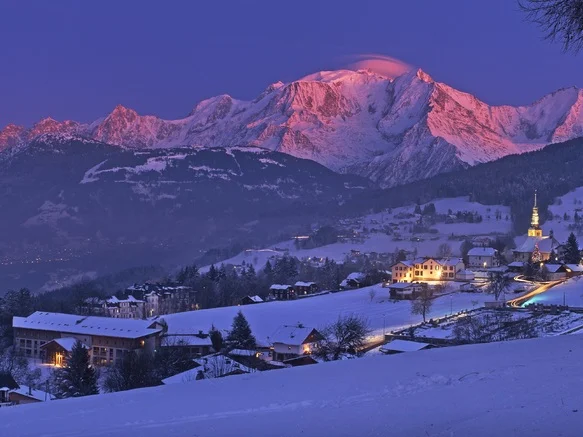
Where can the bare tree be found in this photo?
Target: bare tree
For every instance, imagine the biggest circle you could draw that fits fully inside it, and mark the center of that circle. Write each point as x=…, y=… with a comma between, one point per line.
x=372, y=293
x=499, y=282
x=444, y=251
x=17, y=366
x=422, y=305
x=347, y=334
x=560, y=20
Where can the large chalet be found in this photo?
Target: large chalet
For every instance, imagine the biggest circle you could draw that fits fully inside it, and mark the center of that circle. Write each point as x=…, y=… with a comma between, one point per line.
x=427, y=269
x=51, y=336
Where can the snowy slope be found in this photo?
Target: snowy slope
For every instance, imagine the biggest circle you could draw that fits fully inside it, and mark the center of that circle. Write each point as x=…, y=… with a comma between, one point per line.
x=392, y=131
x=319, y=311
x=380, y=242
x=569, y=293
x=518, y=388
x=561, y=225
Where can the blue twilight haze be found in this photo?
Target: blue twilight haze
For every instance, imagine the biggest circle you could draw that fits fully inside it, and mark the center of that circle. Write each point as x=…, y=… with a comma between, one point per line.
x=77, y=60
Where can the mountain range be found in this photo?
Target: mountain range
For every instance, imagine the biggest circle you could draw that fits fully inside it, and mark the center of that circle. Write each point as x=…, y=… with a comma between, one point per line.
x=391, y=131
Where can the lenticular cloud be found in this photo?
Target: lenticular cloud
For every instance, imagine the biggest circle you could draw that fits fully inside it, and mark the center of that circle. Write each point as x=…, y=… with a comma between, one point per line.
x=380, y=64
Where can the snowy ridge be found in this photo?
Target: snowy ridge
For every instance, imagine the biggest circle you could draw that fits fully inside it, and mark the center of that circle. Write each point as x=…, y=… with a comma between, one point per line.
x=349, y=121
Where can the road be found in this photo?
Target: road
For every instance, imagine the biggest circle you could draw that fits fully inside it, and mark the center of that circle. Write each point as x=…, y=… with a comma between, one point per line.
x=517, y=303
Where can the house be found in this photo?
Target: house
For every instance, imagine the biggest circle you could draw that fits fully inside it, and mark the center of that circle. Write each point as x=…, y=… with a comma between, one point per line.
x=7, y=385
x=282, y=292
x=250, y=300
x=402, y=271
x=291, y=341
x=450, y=267
x=57, y=351
x=483, y=257
x=28, y=395
x=209, y=367
x=556, y=271
x=516, y=266
x=465, y=275
x=406, y=290
x=304, y=360
x=352, y=281
x=255, y=360
x=92, y=306
x=305, y=288
x=399, y=346
x=129, y=308
x=164, y=299
x=107, y=339
x=195, y=345
x=427, y=269
x=574, y=270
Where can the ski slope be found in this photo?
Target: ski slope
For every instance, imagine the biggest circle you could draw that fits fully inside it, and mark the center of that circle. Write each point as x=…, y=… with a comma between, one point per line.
x=517, y=388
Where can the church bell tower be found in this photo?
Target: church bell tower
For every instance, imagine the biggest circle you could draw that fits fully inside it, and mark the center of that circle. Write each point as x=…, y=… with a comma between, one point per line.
x=535, y=229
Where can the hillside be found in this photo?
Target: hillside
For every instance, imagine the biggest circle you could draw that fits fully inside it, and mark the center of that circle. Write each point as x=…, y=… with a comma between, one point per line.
x=392, y=131
x=68, y=199
x=319, y=311
x=478, y=390
x=511, y=181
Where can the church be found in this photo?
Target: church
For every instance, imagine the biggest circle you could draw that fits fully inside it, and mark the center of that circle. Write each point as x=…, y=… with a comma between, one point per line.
x=535, y=247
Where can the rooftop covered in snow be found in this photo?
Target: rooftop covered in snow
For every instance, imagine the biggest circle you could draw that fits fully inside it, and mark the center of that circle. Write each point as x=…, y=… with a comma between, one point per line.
x=88, y=325
x=482, y=251
x=293, y=335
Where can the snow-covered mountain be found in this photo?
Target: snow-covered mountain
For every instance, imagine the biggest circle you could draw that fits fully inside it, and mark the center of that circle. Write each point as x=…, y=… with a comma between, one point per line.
x=392, y=131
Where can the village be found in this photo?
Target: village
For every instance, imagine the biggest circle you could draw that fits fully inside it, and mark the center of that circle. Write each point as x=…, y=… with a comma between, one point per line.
x=424, y=294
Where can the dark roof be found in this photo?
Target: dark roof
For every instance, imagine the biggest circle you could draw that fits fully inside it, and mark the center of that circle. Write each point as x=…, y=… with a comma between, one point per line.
x=304, y=360
x=6, y=380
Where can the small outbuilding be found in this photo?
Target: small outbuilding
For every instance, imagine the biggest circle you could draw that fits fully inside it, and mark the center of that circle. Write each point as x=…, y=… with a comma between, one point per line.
x=399, y=346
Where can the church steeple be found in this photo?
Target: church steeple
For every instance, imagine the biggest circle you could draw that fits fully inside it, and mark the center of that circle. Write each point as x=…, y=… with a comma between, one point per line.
x=535, y=230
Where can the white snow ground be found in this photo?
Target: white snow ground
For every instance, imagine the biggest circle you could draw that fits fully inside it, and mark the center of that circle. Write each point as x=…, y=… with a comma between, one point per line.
x=569, y=203
x=518, y=388
x=569, y=292
x=427, y=245
x=318, y=311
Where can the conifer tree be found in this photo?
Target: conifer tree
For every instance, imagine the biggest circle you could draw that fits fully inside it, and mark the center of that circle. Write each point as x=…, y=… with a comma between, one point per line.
x=78, y=377
x=241, y=335
x=572, y=254
x=216, y=338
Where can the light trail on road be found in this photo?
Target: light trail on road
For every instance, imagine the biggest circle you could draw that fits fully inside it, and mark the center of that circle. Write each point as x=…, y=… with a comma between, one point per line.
x=517, y=302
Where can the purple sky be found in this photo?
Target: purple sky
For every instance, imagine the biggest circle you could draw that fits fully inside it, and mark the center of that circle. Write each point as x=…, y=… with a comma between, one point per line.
x=77, y=60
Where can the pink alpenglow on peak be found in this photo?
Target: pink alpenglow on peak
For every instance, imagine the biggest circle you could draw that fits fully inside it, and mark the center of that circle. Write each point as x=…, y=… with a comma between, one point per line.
x=392, y=125
x=380, y=64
